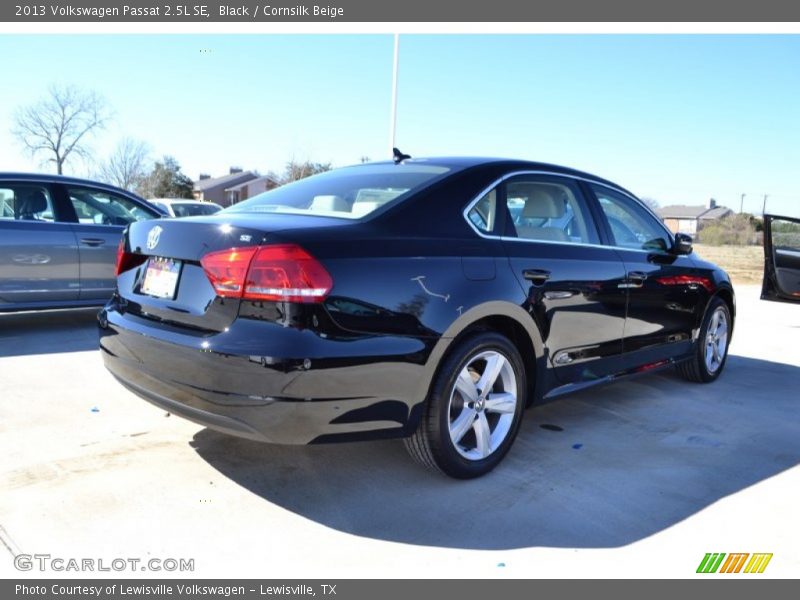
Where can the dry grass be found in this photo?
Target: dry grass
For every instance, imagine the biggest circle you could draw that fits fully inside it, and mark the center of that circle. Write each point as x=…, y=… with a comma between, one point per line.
x=745, y=264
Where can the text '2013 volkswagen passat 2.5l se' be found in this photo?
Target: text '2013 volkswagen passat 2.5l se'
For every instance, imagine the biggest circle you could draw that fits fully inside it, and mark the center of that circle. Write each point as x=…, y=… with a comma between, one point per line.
x=429, y=299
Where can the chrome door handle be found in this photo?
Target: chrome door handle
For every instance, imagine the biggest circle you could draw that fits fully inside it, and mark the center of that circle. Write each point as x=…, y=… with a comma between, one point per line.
x=559, y=295
x=635, y=279
x=637, y=276
x=536, y=276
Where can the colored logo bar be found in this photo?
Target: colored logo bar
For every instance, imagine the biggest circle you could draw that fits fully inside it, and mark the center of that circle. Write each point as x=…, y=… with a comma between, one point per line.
x=716, y=562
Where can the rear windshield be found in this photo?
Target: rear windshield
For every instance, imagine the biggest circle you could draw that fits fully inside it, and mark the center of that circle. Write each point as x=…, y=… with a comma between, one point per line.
x=194, y=210
x=347, y=193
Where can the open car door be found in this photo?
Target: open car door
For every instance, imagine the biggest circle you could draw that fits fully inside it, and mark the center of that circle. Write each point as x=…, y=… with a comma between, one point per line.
x=781, y=259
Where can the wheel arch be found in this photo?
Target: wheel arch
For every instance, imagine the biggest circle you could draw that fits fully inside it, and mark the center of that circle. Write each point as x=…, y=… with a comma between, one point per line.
x=726, y=293
x=506, y=318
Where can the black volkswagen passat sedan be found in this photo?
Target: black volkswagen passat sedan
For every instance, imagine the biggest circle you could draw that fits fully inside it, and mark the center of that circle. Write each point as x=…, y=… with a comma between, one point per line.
x=430, y=299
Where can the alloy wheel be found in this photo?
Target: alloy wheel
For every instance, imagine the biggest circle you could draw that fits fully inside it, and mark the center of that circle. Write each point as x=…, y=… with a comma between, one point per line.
x=482, y=406
x=716, y=340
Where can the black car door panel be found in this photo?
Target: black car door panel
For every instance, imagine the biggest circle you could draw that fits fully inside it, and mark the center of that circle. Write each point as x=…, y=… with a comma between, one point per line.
x=571, y=282
x=665, y=291
x=664, y=295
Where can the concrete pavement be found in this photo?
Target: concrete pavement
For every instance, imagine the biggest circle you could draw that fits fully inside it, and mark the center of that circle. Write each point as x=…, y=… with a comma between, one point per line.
x=639, y=478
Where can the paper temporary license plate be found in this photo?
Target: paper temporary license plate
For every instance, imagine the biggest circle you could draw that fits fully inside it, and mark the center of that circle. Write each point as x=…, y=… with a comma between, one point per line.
x=161, y=277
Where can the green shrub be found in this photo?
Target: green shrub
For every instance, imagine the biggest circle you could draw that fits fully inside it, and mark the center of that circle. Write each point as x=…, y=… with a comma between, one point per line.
x=733, y=230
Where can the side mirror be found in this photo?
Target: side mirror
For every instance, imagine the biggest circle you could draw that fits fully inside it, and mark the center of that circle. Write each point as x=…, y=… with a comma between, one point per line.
x=683, y=244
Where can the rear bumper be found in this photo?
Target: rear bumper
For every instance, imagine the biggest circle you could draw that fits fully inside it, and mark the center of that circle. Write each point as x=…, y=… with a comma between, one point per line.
x=265, y=382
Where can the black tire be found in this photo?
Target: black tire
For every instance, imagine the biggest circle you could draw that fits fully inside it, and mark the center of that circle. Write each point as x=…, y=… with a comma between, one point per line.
x=432, y=445
x=697, y=368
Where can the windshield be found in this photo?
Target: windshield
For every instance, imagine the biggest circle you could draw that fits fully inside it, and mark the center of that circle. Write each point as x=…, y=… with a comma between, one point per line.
x=194, y=210
x=347, y=193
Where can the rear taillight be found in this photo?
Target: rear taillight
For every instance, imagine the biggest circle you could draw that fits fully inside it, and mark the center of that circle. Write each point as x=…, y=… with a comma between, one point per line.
x=127, y=260
x=278, y=273
x=227, y=269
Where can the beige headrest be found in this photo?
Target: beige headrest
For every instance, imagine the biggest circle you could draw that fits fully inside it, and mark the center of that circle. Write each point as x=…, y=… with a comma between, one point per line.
x=541, y=202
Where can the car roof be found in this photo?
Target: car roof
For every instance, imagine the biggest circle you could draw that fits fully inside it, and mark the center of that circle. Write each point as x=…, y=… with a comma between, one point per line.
x=459, y=163
x=53, y=178
x=181, y=201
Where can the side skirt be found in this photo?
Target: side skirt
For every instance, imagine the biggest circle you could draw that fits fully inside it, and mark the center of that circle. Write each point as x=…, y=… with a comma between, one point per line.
x=645, y=369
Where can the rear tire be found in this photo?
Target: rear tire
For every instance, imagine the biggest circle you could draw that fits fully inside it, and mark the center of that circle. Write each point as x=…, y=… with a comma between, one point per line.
x=711, y=350
x=474, y=409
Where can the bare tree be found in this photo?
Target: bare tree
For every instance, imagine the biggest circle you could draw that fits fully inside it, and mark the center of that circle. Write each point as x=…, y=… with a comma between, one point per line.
x=652, y=203
x=299, y=170
x=127, y=165
x=60, y=124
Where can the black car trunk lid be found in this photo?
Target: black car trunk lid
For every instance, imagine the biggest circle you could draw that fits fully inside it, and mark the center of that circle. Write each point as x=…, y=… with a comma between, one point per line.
x=179, y=245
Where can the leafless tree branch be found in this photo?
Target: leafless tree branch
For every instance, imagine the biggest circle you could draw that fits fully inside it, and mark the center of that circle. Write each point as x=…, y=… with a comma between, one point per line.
x=60, y=124
x=127, y=165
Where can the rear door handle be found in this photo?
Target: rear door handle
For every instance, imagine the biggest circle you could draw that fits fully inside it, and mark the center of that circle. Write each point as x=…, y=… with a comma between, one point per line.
x=635, y=279
x=93, y=242
x=637, y=276
x=536, y=276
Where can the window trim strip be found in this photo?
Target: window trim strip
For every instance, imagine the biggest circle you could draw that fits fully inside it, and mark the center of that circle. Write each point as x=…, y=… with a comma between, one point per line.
x=500, y=180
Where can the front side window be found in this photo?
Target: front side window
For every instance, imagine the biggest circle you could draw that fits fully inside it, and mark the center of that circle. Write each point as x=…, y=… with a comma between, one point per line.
x=548, y=210
x=631, y=225
x=25, y=202
x=347, y=193
x=99, y=207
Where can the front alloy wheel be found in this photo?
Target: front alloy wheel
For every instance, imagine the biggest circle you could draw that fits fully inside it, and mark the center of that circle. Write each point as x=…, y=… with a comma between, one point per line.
x=716, y=340
x=711, y=348
x=474, y=409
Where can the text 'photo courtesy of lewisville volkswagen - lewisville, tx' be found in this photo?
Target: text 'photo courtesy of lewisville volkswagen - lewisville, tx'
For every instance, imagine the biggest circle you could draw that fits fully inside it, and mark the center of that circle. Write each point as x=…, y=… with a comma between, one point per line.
x=437, y=305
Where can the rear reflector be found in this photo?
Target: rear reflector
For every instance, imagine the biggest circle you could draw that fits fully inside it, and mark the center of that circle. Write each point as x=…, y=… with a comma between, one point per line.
x=278, y=273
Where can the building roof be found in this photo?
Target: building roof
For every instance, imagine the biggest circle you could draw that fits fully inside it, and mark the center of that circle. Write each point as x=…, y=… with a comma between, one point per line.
x=680, y=211
x=239, y=186
x=226, y=180
x=716, y=213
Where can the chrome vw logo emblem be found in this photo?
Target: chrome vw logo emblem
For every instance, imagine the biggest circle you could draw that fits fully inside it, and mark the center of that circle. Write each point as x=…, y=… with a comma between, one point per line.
x=153, y=237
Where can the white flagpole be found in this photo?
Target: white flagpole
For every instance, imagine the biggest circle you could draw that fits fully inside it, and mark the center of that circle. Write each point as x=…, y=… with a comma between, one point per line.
x=393, y=123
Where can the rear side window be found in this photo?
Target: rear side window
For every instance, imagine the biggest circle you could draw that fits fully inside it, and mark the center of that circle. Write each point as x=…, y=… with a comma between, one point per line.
x=347, y=193
x=548, y=210
x=99, y=207
x=484, y=214
x=25, y=202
